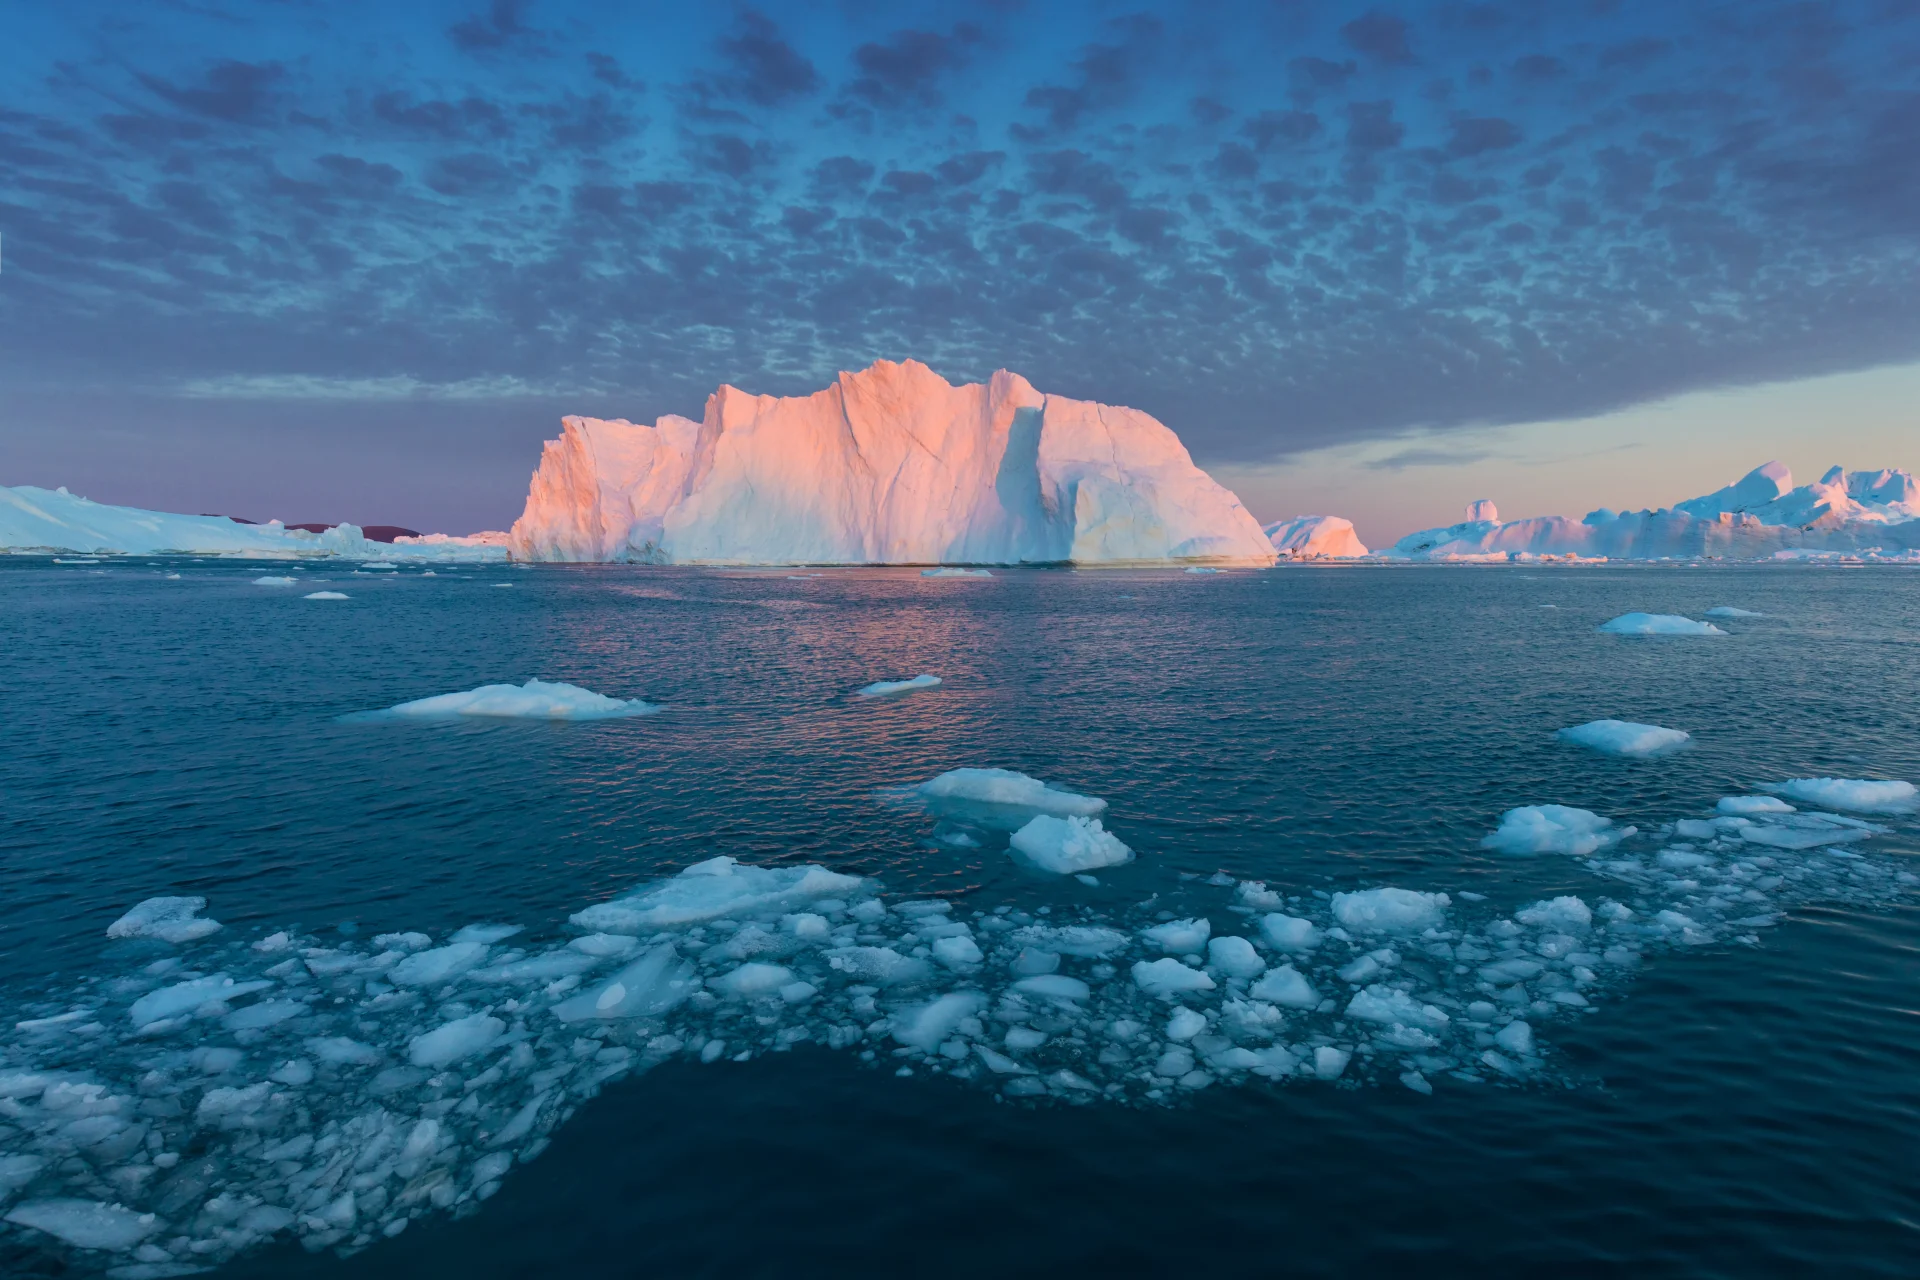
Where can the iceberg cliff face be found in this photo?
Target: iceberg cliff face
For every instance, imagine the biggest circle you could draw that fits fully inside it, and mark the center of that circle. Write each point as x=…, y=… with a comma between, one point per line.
x=892, y=465
x=1762, y=515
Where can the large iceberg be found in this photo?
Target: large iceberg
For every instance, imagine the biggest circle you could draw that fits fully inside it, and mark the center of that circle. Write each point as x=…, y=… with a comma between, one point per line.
x=891, y=465
x=47, y=520
x=1762, y=515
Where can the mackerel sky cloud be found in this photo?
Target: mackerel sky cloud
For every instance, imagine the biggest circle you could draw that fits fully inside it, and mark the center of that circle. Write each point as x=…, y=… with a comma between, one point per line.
x=312, y=231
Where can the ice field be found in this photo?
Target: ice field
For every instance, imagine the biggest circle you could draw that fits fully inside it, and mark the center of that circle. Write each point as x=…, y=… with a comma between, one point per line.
x=280, y=997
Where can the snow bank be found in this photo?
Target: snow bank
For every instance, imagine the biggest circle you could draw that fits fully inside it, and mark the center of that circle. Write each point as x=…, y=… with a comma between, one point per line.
x=891, y=465
x=1069, y=846
x=1658, y=624
x=534, y=700
x=1315, y=538
x=46, y=520
x=882, y=688
x=1853, y=794
x=1625, y=738
x=1554, y=828
x=1872, y=514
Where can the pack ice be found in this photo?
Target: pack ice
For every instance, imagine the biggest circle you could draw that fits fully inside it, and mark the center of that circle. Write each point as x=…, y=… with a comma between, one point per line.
x=891, y=465
x=1761, y=515
x=204, y=1093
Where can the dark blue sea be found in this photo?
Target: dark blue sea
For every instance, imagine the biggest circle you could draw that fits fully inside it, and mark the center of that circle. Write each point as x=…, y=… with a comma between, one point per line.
x=1718, y=1077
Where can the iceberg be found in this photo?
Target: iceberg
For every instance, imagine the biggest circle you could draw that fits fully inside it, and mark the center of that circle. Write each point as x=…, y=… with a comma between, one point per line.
x=890, y=465
x=534, y=700
x=1872, y=514
x=35, y=520
x=1860, y=796
x=1657, y=624
x=1625, y=738
x=1315, y=538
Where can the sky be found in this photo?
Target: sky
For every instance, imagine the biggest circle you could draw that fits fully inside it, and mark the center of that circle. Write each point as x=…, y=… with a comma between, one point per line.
x=353, y=261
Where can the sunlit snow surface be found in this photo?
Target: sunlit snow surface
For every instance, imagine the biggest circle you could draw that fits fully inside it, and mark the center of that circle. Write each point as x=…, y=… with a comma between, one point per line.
x=336, y=1091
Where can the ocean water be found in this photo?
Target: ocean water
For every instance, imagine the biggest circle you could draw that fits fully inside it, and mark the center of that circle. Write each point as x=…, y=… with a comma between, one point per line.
x=1733, y=1096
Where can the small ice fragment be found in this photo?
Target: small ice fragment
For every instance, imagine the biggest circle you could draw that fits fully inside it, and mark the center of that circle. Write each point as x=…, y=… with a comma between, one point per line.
x=1053, y=986
x=1625, y=738
x=1168, y=977
x=168, y=919
x=956, y=952
x=86, y=1224
x=1389, y=1006
x=1180, y=937
x=441, y=964
x=1750, y=806
x=1030, y=962
x=486, y=933
x=1728, y=611
x=1554, y=828
x=925, y=1026
x=1289, y=933
x=798, y=992
x=325, y=595
x=1066, y=846
x=453, y=1041
x=1658, y=624
x=1390, y=910
x=1235, y=957
x=656, y=982
x=535, y=700
x=1564, y=914
x=1416, y=1082
x=755, y=979
x=1329, y=1062
x=1005, y=787
x=1516, y=1038
x=1855, y=794
x=1185, y=1024
x=1287, y=987
x=882, y=688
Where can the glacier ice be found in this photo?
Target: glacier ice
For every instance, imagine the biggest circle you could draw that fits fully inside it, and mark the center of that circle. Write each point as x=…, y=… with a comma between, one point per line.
x=1069, y=845
x=1658, y=624
x=1315, y=538
x=1761, y=516
x=332, y=1103
x=1625, y=738
x=890, y=465
x=1855, y=794
x=1554, y=828
x=884, y=688
x=534, y=700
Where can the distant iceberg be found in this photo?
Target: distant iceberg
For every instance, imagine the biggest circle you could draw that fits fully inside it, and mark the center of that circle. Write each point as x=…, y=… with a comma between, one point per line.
x=1657, y=624
x=46, y=520
x=1316, y=538
x=534, y=700
x=891, y=465
x=1870, y=514
x=886, y=688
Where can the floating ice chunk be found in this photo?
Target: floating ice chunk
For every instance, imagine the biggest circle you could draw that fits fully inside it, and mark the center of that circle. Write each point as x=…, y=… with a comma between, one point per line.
x=755, y=979
x=1031, y=961
x=546, y=967
x=1168, y=977
x=651, y=985
x=956, y=952
x=1287, y=987
x=713, y=889
x=601, y=945
x=534, y=700
x=185, y=997
x=1185, y=1024
x=955, y=573
x=1067, y=846
x=1564, y=914
x=441, y=964
x=1390, y=1006
x=1181, y=937
x=1004, y=790
x=456, y=1040
x=1289, y=933
x=1000, y=1063
x=271, y=581
x=168, y=919
x=1856, y=794
x=1658, y=624
x=487, y=933
x=1088, y=942
x=1516, y=1038
x=412, y=940
x=267, y=1013
x=882, y=965
x=325, y=595
x=1554, y=828
x=798, y=992
x=1728, y=611
x=343, y=1051
x=1021, y=1039
x=1625, y=738
x=1361, y=969
x=1679, y=860
x=924, y=1026
x=806, y=924
x=86, y=1224
x=1234, y=957
x=1254, y=893
x=1811, y=836
x=1415, y=1081
x=1329, y=1063
x=882, y=688
x=1750, y=806
x=1053, y=986
x=1390, y=910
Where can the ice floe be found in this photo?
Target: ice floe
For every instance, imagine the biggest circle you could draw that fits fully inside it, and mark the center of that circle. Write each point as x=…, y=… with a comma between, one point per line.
x=956, y=573
x=325, y=595
x=173, y=1114
x=1658, y=624
x=1728, y=611
x=168, y=919
x=534, y=700
x=274, y=580
x=1554, y=828
x=998, y=799
x=1625, y=738
x=1855, y=794
x=1069, y=845
x=884, y=688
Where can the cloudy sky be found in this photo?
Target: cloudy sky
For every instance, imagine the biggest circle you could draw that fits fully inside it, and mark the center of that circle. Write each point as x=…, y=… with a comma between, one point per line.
x=353, y=260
